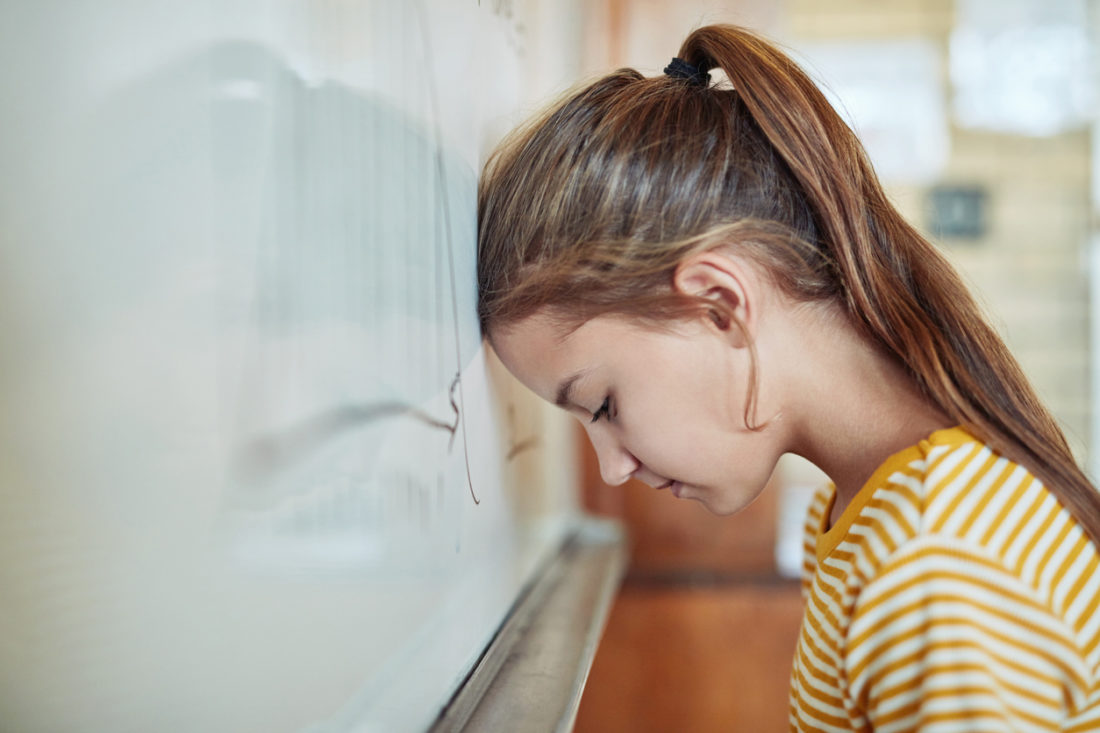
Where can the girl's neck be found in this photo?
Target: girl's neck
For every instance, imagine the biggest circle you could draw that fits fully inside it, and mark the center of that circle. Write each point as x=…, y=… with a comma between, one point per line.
x=858, y=407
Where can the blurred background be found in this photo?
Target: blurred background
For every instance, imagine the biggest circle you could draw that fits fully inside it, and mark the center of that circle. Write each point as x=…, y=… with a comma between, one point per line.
x=980, y=117
x=242, y=486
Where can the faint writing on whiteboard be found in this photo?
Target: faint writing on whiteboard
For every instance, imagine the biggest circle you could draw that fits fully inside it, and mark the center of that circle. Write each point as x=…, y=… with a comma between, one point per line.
x=346, y=375
x=270, y=454
x=503, y=8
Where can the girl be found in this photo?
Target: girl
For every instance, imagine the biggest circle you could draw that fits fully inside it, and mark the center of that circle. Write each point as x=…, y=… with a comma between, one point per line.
x=709, y=276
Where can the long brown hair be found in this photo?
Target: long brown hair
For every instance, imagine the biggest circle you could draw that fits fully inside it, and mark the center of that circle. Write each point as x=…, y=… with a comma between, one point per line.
x=589, y=208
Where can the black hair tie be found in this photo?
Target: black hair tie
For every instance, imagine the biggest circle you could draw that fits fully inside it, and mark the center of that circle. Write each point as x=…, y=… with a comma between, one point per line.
x=680, y=69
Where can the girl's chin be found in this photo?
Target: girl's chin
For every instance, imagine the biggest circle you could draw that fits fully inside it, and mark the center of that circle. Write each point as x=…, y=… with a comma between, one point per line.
x=715, y=503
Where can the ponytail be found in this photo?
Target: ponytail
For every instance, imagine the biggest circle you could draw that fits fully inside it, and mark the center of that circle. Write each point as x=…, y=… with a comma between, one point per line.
x=896, y=285
x=629, y=175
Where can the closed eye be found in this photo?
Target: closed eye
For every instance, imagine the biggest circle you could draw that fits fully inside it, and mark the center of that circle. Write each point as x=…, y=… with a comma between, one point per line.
x=605, y=409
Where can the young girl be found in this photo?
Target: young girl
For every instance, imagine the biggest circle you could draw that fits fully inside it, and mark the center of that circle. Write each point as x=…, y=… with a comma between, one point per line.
x=709, y=276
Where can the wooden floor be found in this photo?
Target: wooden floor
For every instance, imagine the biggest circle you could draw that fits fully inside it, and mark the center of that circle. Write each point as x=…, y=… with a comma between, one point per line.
x=699, y=660
x=702, y=633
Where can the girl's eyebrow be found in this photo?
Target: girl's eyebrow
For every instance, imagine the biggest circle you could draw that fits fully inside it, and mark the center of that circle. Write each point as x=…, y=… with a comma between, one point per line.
x=565, y=390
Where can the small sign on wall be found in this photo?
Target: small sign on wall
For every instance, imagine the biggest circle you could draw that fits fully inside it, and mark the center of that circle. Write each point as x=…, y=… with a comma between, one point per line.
x=957, y=211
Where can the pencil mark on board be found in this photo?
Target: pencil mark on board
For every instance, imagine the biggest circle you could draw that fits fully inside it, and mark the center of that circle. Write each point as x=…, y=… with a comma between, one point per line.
x=445, y=210
x=272, y=452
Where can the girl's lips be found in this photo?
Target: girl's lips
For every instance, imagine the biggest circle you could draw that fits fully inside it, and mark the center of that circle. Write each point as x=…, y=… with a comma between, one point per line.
x=676, y=486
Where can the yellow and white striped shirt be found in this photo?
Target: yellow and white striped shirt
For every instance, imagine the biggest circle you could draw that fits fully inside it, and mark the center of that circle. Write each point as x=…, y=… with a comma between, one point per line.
x=953, y=594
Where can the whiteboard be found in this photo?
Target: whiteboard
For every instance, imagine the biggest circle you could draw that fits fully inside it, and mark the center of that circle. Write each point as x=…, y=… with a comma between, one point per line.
x=258, y=472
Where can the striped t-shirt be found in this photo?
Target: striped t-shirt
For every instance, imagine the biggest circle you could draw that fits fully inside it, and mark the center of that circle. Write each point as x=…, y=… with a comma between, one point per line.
x=953, y=594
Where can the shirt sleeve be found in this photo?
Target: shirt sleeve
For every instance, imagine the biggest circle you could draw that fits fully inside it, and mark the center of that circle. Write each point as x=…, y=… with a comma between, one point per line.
x=944, y=639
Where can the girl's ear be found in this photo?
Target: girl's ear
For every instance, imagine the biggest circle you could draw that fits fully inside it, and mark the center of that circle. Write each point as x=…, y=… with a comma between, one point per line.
x=727, y=281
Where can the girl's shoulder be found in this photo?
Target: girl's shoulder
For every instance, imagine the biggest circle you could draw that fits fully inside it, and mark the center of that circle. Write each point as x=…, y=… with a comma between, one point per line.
x=953, y=506
x=950, y=481
x=954, y=490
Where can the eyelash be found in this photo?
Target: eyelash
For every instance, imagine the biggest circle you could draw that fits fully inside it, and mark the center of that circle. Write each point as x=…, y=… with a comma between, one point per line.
x=605, y=409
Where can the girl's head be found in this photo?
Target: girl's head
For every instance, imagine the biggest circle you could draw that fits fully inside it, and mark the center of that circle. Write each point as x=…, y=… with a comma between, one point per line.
x=592, y=210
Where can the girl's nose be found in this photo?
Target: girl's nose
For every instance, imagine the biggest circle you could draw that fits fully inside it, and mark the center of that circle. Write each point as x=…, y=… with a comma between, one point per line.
x=617, y=464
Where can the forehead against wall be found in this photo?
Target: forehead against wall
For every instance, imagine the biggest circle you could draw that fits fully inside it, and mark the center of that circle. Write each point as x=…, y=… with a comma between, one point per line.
x=258, y=472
